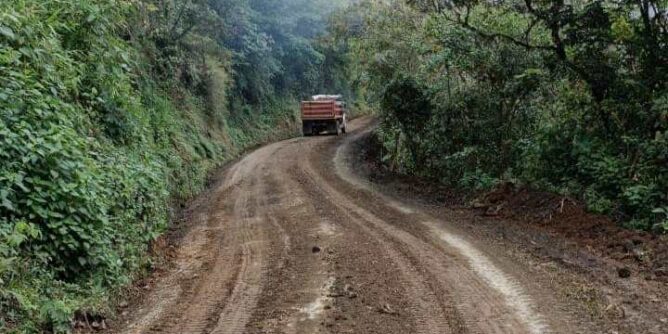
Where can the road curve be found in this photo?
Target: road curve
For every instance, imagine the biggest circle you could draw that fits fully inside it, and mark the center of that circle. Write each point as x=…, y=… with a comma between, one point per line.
x=291, y=240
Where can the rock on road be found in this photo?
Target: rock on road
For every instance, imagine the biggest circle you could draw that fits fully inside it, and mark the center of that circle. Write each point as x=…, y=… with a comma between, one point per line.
x=292, y=241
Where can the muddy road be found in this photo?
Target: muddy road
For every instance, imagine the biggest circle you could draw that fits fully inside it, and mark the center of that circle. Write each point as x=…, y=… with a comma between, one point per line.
x=292, y=240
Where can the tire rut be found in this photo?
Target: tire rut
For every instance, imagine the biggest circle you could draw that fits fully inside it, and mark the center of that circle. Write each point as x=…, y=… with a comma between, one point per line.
x=481, y=308
x=430, y=308
x=297, y=274
x=217, y=293
x=291, y=243
x=248, y=284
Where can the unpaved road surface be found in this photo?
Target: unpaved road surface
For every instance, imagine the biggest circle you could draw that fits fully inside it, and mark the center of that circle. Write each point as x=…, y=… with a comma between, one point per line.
x=291, y=240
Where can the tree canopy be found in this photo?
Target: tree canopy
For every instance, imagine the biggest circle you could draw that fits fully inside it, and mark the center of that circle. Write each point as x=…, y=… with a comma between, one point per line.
x=564, y=96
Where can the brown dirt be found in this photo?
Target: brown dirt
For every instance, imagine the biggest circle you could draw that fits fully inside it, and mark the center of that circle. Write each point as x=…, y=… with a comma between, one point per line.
x=644, y=253
x=590, y=255
x=294, y=240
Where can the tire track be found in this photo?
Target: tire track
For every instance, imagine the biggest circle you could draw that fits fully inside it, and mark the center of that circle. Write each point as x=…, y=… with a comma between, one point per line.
x=296, y=279
x=380, y=265
x=430, y=308
x=482, y=308
x=217, y=293
x=248, y=284
x=491, y=300
x=498, y=280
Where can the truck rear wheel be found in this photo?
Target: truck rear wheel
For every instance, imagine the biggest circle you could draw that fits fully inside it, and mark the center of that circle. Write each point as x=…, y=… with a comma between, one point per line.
x=307, y=129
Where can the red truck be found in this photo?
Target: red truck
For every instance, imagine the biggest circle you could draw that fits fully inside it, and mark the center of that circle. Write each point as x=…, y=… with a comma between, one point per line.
x=324, y=113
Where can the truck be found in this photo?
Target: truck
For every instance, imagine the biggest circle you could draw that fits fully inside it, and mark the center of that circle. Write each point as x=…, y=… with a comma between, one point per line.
x=324, y=113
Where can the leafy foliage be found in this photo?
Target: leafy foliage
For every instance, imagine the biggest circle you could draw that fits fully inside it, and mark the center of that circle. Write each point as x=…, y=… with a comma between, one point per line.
x=113, y=110
x=568, y=97
x=406, y=102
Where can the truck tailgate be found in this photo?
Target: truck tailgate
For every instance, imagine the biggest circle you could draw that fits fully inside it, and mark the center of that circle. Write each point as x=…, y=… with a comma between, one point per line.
x=319, y=110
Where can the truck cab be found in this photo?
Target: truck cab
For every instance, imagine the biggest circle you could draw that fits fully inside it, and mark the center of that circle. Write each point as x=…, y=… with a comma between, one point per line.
x=324, y=113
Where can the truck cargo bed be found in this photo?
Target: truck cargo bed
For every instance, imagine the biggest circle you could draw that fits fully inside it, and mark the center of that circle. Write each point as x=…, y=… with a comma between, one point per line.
x=319, y=110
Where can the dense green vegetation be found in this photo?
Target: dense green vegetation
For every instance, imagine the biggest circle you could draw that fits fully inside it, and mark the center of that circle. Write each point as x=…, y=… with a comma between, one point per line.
x=113, y=110
x=563, y=96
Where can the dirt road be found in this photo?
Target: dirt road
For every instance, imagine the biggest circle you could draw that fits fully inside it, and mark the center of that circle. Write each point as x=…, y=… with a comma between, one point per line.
x=291, y=240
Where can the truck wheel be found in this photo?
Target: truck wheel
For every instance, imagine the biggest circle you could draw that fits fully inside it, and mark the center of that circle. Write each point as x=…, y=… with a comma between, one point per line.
x=339, y=129
x=307, y=129
x=344, y=126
